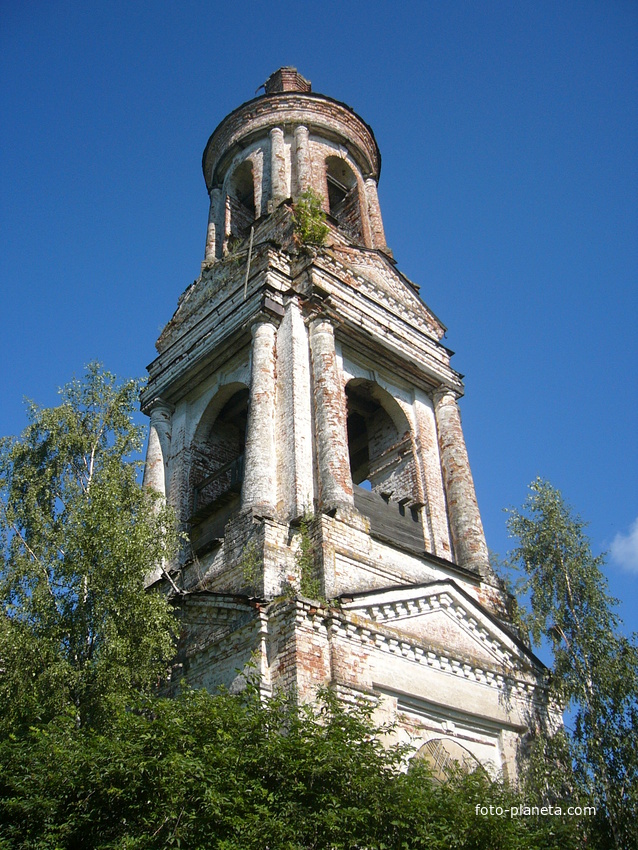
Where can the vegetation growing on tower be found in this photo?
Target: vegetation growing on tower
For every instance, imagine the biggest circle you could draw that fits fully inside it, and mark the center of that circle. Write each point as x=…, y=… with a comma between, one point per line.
x=309, y=220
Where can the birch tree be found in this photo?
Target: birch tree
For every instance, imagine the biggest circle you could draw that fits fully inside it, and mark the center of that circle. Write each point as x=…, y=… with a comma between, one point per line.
x=595, y=669
x=77, y=537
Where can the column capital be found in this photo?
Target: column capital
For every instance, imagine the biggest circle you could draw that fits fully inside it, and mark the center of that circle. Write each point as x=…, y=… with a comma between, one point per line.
x=158, y=407
x=291, y=297
x=442, y=392
x=263, y=318
x=321, y=323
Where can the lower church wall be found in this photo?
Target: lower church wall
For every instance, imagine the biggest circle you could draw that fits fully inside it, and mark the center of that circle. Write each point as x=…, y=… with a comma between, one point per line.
x=299, y=646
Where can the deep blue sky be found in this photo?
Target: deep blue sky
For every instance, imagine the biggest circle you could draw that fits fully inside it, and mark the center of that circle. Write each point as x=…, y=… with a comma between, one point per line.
x=509, y=137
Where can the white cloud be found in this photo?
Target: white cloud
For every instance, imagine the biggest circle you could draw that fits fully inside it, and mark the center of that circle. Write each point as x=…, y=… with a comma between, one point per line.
x=624, y=548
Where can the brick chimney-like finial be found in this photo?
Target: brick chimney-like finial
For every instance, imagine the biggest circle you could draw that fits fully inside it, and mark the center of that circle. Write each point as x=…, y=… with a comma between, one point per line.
x=286, y=79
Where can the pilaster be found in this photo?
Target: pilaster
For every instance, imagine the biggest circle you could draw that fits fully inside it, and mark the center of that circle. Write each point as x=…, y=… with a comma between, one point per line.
x=294, y=415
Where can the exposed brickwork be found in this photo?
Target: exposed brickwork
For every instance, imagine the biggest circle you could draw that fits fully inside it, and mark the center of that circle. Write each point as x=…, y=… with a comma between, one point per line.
x=349, y=216
x=286, y=79
x=434, y=494
x=414, y=653
x=240, y=218
x=374, y=214
x=318, y=365
x=320, y=114
x=278, y=169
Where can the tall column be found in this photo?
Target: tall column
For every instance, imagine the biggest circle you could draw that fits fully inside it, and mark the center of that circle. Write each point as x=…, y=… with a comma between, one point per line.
x=213, y=231
x=302, y=158
x=465, y=521
x=331, y=436
x=374, y=214
x=159, y=442
x=277, y=166
x=259, y=490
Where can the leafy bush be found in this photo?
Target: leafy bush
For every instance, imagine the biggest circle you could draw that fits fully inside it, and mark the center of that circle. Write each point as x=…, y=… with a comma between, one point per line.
x=309, y=220
x=232, y=772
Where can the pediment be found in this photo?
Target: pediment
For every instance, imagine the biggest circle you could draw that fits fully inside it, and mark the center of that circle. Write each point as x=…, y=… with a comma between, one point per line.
x=380, y=281
x=444, y=618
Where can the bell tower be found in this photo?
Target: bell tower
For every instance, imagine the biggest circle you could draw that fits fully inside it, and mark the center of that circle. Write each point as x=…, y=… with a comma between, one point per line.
x=304, y=425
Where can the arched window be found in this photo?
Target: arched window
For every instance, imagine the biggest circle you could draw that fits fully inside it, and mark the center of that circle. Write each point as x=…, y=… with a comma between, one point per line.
x=382, y=464
x=217, y=463
x=241, y=199
x=379, y=443
x=343, y=196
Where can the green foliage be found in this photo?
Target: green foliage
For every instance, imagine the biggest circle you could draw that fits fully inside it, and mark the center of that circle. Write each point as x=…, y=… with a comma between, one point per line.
x=77, y=537
x=91, y=757
x=251, y=565
x=234, y=253
x=309, y=220
x=595, y=671
x=309, y=583
x=232, y=772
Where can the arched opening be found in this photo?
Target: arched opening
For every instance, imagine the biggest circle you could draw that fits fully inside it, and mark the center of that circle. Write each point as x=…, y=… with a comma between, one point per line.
x=241, y=200
x=379, y=443
x=343, y=196
x=358, y=447
x=445, y=756
x=382, y=463
x=217, y=464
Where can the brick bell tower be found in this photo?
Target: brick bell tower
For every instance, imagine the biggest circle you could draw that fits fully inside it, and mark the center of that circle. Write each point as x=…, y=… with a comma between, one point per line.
x=304, y=425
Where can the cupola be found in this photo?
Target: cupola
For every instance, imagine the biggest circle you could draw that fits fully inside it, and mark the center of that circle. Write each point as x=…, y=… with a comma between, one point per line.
x=281, y=144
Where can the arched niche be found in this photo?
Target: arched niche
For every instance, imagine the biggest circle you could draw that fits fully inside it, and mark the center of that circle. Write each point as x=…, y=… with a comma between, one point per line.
x=241, y=200
x=445, y=756
x=344, y=204
x=217, y=452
